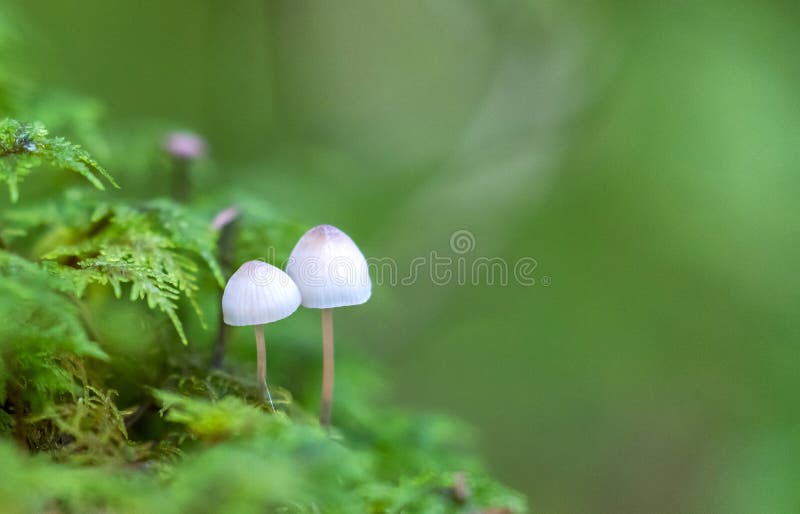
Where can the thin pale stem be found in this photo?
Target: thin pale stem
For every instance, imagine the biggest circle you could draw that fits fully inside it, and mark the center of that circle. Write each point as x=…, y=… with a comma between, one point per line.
x=261, y=349
x=327, y=368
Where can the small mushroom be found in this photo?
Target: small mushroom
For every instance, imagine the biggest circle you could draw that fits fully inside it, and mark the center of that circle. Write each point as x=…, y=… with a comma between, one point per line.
x=225, y=224
x=330, y=272
x=259, y=293
x=185, y=145
x=184, y=148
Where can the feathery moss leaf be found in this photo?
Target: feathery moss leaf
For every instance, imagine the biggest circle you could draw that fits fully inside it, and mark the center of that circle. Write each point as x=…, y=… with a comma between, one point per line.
x=25, y=146
x=149, y=247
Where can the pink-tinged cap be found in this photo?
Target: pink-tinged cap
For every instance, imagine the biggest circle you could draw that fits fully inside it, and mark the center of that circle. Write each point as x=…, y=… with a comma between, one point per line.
x=185, y=144
x=329, y=269
x=224, y=217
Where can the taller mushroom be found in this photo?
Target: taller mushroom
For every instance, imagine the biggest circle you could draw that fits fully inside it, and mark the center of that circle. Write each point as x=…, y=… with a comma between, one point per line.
x=330, y=272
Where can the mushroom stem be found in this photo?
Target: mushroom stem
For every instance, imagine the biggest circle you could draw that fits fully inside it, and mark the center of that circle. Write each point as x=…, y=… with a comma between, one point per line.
x=180, y=183
x=261, y=349
x=327, y=368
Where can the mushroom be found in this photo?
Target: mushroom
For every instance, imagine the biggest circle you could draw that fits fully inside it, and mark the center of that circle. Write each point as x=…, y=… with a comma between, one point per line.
x=330, y=272
x=224, y=223
x=184, y=147
x=259, y=293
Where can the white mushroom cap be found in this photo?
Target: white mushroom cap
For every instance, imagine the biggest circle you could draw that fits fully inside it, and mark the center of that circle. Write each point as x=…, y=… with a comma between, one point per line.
x=258, y=293
x=329, y=269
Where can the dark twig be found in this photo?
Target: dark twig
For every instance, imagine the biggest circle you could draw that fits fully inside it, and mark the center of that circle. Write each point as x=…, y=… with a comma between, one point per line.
x=136, y=415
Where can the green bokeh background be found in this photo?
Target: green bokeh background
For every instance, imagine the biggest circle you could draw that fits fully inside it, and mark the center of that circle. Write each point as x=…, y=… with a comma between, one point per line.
x=646, y=155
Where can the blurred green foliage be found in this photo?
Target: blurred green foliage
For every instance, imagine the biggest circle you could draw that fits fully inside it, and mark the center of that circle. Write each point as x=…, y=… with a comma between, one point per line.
x=644, y=153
